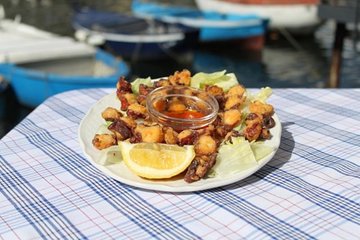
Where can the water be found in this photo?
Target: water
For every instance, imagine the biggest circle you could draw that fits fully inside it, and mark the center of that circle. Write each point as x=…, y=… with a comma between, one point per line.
x=281, y=64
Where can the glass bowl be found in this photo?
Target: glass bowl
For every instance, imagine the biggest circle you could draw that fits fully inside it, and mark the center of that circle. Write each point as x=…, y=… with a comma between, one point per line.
x=181, y=107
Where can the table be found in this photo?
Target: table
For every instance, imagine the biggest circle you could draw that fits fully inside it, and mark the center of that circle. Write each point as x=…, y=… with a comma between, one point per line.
x=309, y=190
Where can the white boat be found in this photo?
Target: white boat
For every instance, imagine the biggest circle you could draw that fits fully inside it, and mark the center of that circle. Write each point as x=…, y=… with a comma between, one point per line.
x=296, y=16
x=39, y=64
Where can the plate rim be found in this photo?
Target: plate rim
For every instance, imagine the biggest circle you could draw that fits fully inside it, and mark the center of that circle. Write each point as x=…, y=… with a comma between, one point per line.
x=188, y=187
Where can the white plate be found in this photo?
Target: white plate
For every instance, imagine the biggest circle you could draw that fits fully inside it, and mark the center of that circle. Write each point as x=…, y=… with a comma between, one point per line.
x=90, y=124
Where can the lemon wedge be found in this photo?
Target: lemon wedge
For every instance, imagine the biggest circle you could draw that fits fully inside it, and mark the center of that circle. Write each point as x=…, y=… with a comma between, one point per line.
x=155, y=160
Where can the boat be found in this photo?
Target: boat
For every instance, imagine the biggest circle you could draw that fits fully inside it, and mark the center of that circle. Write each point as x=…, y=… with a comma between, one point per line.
x=213, y=26
x=39, y=64
x=295, y=16
x=132, y=37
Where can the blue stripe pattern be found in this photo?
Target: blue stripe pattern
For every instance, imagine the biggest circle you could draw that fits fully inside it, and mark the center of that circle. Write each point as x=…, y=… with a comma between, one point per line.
x=49, y=190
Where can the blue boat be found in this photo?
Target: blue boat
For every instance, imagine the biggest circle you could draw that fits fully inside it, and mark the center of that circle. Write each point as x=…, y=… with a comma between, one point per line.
x=213, y=26
x=39, y=64
x=133, y=37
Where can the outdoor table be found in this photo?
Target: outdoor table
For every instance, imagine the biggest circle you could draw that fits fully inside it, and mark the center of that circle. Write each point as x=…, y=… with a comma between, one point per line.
x=309, y=190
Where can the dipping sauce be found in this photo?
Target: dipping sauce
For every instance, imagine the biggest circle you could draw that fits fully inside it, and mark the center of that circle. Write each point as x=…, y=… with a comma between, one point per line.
x=181, y=107
x=188, y=114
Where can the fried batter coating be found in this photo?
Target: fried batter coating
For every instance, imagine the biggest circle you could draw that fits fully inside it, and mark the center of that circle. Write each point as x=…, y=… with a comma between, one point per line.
x=236, y=90
x=268, y=122
x=231, y=118
x=102, y=141
x=253, y=127
x=149, y=134
x=199, y=167
x=123, y=86
x=145, y=89
x=205, y=145
x=141, y=99
x=208, y=130
x=162, y=83
x=217, y=92
x=126, y=100
x=136, y=111
x=187, y=137
x=111, y=114
x=180, y=78
x=233, y=102
x=261, y=108
x=176, y=106
x=214, y=90
x=130, y=122
x=121, y=130
x=265, y=134
x=170, y=136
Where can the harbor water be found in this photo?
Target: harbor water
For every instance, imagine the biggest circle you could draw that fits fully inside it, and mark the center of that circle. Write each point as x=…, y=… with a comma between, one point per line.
x=295, y=62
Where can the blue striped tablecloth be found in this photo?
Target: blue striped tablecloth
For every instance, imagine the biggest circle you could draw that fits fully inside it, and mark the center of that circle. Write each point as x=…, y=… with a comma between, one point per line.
x=309, y=190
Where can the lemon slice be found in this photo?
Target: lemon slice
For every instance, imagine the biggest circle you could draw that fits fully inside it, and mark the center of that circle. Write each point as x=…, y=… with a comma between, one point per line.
x=155, y=160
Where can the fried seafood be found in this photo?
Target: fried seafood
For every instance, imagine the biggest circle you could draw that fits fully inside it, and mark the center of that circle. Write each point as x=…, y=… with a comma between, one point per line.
x=102, y=141
x=130, y=122
x=264, y=109
x=126, y=100
x=187, y=137
x=236, y=90
x=123, y=86
x=199, y=167
x=253, y=127
x=137, y=126
x=121, y=130
x=170, y=135
x=205, y=158
x=111, y=114
x=182, y=78
x=136, y=111
x=149, y=134
x=233, y=102
x=205, y=145
x=162, y=83
x=231, y=118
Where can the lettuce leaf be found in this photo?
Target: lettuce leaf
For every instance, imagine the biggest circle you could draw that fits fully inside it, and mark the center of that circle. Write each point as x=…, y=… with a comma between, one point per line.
x=234, y=158
x=260, y=150
x=109, y=156
x=136, y=83
x=225, y=81
x=238, y=156
x=261, y=96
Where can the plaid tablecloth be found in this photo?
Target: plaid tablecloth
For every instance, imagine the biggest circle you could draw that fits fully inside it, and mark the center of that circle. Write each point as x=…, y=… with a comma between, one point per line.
x=309, y=190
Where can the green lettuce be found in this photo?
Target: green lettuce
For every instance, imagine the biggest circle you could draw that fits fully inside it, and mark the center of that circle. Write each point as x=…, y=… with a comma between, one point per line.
x=260, y=150
x=136, y=83
x=239, y=155
x=261, y=96
x=225, y=81
x=109, y=156
x=234, y=157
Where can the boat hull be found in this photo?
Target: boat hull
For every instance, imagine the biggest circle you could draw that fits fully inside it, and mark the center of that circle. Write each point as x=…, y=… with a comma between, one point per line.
x=33, y=87
x=297, y=18
x=213, y=26
x=152, y=50
x=132, y=37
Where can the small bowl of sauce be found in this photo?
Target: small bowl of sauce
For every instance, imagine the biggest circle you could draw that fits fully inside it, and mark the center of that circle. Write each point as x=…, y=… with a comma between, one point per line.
x=182, y=107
